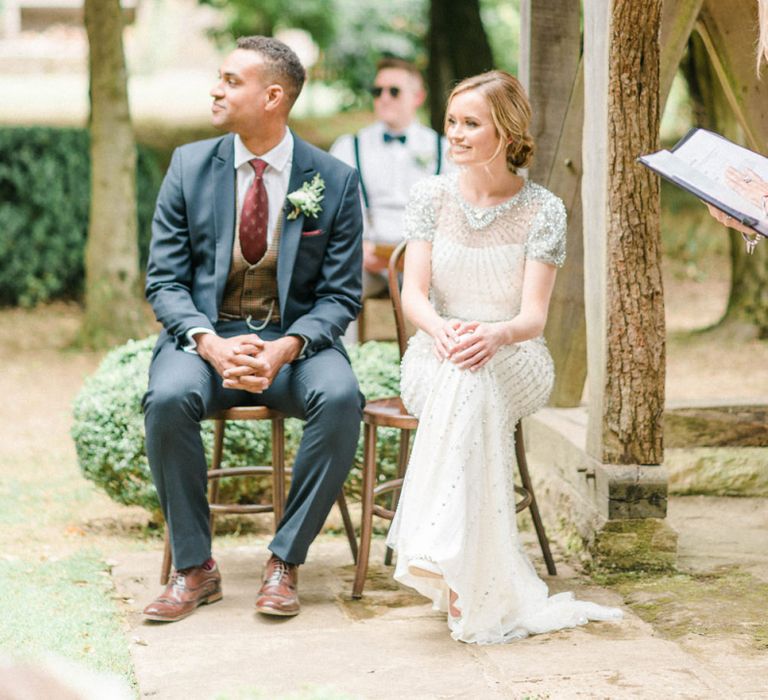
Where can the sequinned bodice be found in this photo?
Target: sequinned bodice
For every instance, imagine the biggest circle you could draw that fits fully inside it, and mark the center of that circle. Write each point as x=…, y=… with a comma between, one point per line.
x=479, y=253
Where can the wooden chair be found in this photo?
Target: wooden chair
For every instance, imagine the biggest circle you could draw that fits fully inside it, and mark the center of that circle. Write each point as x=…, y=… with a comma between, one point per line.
x=277, y=469
x=391, y=413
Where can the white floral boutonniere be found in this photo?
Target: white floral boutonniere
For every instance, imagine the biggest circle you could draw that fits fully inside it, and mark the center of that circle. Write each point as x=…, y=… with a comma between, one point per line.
x=423, y=160
x=306, y=200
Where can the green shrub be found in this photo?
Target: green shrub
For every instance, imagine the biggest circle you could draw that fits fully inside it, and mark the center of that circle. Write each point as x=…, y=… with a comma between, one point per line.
x=108, y=426
x=44, y=202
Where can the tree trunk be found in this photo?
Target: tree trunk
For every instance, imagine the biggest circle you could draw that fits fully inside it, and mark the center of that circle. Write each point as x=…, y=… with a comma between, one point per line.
x=550, y=67
x=113, y=308
x=458, y=48
x=625, y=302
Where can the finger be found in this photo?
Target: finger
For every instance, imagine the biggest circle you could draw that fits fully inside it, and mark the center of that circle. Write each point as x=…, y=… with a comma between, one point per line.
x=468, y=327
x=713, y=210
x=468, y=357
x=450, y=329
x=472, y=361
x=467, y=346
x=248, y=383
x=250, y=349
x=443, y=347
x=759, y=182
x=254, y=363
x=241, y=371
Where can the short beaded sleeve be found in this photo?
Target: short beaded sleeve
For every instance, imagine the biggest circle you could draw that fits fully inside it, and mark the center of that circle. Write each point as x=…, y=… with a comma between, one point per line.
x=546, y=241
x=420, y=219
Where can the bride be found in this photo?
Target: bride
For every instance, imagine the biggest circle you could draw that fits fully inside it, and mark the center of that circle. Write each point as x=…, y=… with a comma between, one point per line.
x=484, y=245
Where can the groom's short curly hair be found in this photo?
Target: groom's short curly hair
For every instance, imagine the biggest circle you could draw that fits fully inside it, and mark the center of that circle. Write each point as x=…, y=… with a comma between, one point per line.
x=282, y=64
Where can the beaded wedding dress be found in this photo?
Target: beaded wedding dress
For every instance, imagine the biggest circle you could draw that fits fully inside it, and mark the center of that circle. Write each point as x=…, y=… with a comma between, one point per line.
x=456, y=514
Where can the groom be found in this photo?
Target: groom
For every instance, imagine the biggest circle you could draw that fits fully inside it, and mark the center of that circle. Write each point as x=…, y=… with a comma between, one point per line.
x=253, y=292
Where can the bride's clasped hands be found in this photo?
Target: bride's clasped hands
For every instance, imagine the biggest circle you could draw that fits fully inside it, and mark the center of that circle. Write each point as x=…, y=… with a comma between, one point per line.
x=469, y=344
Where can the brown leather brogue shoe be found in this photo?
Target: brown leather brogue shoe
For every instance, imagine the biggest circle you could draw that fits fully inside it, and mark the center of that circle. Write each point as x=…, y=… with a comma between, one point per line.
x=186, y=590
x=278, y=594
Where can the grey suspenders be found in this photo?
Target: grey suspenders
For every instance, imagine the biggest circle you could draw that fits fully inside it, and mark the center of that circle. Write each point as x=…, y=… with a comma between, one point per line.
x=356, y=142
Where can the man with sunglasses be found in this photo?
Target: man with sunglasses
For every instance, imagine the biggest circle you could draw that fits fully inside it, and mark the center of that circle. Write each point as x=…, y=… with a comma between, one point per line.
x=391, y=155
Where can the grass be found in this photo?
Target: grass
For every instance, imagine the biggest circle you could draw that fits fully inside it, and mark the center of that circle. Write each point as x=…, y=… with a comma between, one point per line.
x=65, y=607
x=56, y=594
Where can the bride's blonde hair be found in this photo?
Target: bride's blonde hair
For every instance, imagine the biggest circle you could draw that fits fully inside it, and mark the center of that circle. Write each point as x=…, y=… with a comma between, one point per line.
x=510, y=112
x=762, y=41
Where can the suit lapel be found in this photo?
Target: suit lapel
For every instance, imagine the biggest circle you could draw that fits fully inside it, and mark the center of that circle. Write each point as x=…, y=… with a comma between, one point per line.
x=224, y=208
x=301, y=172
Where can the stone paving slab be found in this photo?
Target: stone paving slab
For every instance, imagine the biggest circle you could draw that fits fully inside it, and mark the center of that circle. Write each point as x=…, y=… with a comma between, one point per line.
x=392, y=645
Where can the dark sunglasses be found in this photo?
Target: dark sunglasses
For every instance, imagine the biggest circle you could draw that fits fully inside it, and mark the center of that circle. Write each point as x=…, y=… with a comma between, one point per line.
x=376, y=91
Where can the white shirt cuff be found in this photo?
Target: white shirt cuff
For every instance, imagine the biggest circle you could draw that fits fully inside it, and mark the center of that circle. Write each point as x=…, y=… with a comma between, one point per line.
x=304, y=338
x=191, y=342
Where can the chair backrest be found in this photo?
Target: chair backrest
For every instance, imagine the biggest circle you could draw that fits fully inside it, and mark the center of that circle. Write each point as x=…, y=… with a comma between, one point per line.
x=394, y=267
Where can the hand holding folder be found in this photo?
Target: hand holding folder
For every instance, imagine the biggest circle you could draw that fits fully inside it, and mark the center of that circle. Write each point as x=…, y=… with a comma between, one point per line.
x=723, y=174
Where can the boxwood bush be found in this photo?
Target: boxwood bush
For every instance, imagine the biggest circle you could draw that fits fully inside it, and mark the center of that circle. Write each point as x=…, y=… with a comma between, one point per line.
x=44, y=202
x=108, y=427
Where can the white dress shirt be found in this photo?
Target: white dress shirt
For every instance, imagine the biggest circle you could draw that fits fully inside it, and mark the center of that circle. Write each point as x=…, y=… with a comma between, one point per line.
x=276, y=176
x=388, y=171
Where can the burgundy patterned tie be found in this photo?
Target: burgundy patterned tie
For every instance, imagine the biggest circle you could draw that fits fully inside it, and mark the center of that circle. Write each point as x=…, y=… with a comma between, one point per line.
x=255, y=216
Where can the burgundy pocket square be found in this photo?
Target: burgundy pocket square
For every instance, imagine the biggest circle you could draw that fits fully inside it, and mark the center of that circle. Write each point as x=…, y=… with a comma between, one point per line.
x=316, y=232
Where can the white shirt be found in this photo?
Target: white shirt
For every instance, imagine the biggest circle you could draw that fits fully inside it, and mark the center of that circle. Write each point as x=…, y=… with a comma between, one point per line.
x=388, y=171
x=277, y=174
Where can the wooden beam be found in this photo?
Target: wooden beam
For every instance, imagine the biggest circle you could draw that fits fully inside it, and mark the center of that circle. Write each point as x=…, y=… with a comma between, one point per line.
x=678, y=18
x=728, y=29
x=550, y=68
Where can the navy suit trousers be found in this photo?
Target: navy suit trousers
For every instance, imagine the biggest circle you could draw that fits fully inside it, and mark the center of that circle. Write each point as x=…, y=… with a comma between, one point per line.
x=184, y=390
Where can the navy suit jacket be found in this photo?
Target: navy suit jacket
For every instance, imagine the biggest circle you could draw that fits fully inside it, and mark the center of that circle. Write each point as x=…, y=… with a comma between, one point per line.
x=319, y=264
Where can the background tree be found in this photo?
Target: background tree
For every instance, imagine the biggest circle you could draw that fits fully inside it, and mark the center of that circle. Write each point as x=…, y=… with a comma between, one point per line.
x=246, y=17
x=457, y=47
x=113, y=307
x=747, y=309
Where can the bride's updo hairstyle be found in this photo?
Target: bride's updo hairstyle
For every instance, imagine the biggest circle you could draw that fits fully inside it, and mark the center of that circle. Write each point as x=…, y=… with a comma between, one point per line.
x=510, y=111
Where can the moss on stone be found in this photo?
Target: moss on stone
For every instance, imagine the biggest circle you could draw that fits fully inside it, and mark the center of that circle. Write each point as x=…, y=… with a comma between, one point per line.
x=726, y=602
x=623, y=545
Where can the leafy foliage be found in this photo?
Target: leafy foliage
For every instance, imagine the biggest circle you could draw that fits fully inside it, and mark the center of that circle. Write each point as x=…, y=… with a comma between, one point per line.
x=353, y=34
x=245, y=18
x=44, y=202
x=108, y=427
x=368, y=30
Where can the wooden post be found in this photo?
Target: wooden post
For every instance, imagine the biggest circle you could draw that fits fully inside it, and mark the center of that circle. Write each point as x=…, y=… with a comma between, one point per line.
x=550, y=68
x=678, y=18
x=624, y=295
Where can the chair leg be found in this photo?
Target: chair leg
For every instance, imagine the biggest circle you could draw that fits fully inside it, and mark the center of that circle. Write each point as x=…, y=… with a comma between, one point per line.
x=361, y=324
x=165, y=569
x=366, y=520
x=402, y=463
x=525, y=477
x=219, y=427
x=349, y=528
x=278, y=469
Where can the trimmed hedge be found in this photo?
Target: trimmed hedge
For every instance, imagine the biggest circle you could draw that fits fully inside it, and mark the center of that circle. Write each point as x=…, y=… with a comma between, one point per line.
x=108, y=427
x=44, y=202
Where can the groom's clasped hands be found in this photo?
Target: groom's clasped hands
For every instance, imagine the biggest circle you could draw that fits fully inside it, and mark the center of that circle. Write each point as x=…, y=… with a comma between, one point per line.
x=247, y=362
x=468, y=344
